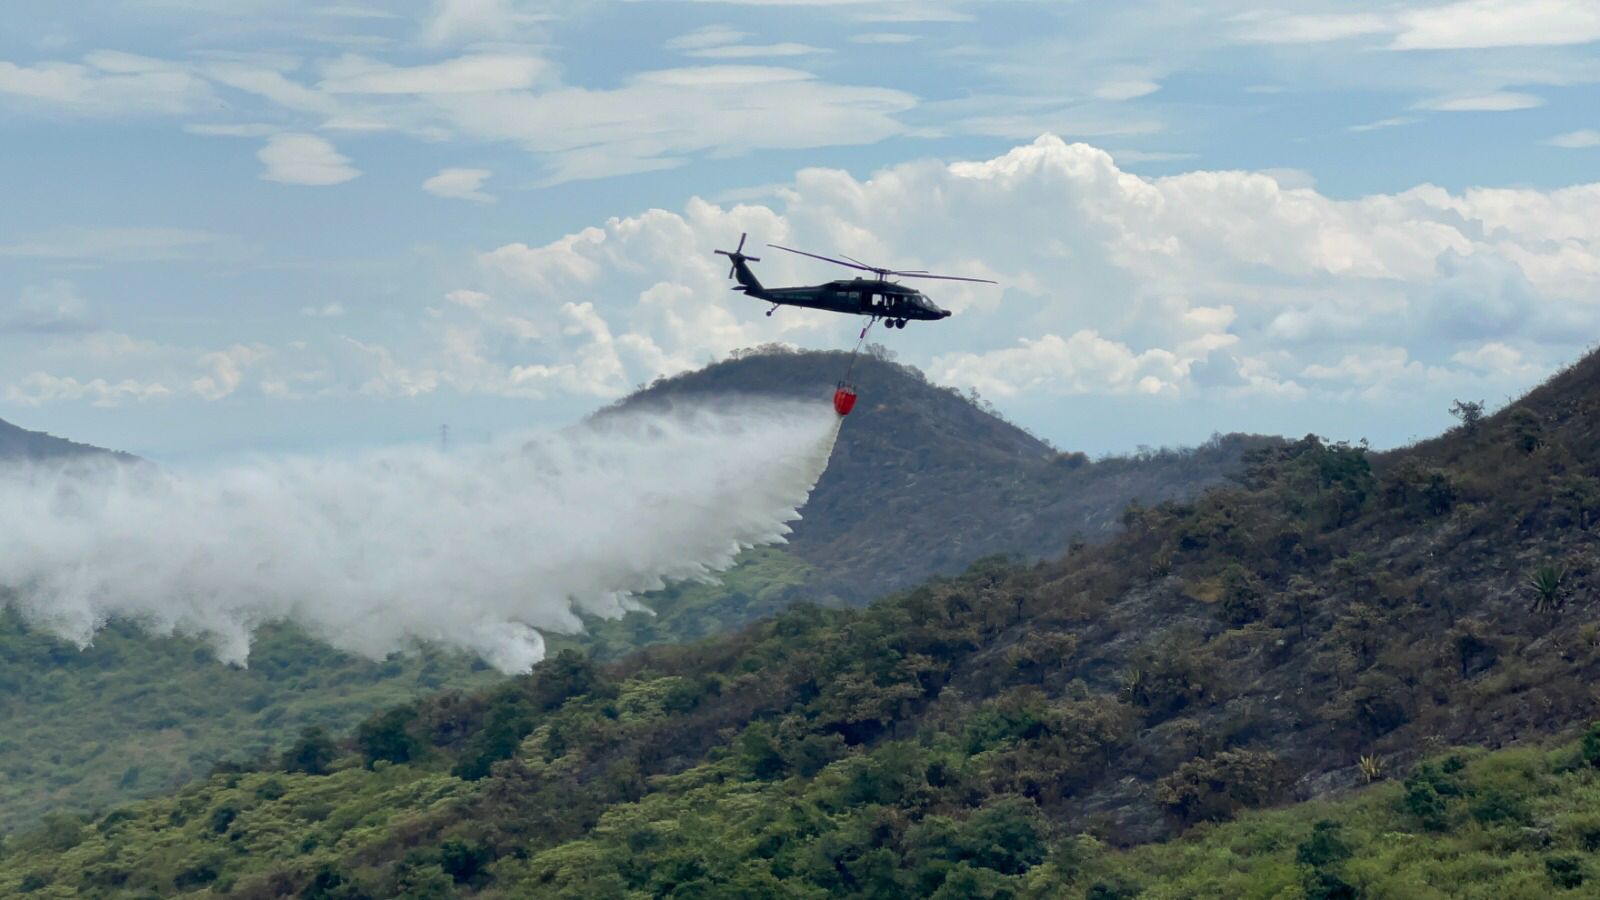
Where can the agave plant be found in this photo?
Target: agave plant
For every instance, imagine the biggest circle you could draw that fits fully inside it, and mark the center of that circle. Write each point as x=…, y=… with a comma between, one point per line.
x=1371, y=768
x=1547, y=584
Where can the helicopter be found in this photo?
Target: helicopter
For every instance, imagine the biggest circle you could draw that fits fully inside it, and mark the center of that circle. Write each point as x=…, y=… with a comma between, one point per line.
x=879, y=298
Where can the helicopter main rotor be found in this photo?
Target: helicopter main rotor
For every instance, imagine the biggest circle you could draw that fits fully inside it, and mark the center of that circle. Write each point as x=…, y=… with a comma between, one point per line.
x=882, y=273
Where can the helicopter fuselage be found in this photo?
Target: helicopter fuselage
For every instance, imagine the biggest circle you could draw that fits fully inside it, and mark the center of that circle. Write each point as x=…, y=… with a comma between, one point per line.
x=856, y=296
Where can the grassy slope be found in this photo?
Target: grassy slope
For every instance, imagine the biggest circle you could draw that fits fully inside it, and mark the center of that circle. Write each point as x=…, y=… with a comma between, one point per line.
x=134, y=715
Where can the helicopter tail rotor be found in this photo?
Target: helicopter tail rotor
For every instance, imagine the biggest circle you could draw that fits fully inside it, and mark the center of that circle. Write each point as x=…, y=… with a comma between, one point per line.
x=738, y=269
x=737, y=256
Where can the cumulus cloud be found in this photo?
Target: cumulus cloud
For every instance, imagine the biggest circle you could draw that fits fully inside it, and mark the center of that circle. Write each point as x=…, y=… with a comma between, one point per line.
x=1120, y=284
x=460, y=184
x=304, y=159
x=1082, y=363
x=481, y=549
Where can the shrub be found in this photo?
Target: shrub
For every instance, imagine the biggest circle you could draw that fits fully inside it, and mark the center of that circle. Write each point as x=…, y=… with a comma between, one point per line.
x=1564, y=871
x=1216, y=788
x=1591, y=745
x=1324, y=847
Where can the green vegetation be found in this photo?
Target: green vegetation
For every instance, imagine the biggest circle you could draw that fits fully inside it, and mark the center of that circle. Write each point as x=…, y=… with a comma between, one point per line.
x=133, y=715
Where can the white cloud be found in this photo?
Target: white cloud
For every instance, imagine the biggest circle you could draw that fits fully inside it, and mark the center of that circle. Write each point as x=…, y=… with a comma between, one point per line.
x=304, y=159
x=475, y=73
x=1476, y=24
x=112, y=244
x=884, y=38
x=40, y=388
x=459, y=184
x=469, y=299
x=55, y=308
x=1494, y=101
x=1391, y=122
x=656, y=117
x=1083, y=363
x=1464, y=25
x=1496, y=358
x=240, y=130
x=1577, y=140
x=108, y=84
x=326, y=311
x=1371, y=365
x=1126, y=90
x=756, y=51
x=455, y=21
x=226, y=370
x=1279, y=28
x=706, y=36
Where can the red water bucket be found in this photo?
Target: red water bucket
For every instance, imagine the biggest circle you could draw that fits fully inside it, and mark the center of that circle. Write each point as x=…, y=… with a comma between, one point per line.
x=844, y=400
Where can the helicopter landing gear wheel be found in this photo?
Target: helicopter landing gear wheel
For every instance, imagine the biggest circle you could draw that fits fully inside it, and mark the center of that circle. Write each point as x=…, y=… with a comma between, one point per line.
x=899, y=323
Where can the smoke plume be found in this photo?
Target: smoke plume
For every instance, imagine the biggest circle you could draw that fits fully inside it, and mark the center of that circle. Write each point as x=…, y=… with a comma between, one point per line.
x=481, y=548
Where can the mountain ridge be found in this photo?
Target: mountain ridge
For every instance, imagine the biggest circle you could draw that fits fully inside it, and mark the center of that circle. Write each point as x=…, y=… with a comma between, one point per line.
x=17, y=443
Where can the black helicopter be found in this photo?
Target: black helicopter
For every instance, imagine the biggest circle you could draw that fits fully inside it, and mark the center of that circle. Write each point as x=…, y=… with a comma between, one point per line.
x=879, y=298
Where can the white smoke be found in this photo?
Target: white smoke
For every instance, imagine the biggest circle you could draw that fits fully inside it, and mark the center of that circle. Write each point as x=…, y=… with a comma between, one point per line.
x=480, y=548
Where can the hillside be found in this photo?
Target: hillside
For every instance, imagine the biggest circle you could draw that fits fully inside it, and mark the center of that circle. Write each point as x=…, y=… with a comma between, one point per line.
x=36, y=446
x=134, y=715
x=925, y=480
x=1328, y=619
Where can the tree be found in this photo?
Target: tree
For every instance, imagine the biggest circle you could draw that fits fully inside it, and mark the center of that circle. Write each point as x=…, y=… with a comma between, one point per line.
x=1470, y=412
x=387, y=736
x=312, y=753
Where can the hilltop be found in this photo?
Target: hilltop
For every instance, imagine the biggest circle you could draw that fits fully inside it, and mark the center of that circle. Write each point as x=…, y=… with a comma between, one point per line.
x=926, y=480
x=1330, y=617
x=20, y=444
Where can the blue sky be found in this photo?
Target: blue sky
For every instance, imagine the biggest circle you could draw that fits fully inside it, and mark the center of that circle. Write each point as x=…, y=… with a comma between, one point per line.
x=263, y=225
